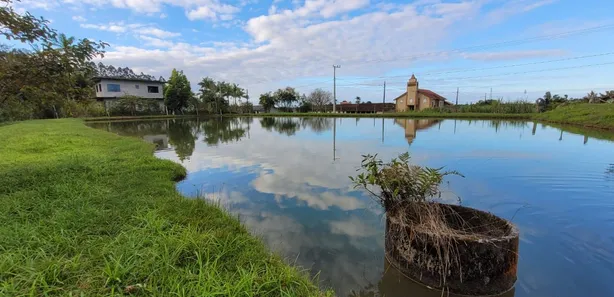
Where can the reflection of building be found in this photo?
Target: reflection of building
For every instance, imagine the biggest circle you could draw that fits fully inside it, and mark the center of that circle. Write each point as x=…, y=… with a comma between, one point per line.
x=412, y=126
x=161, y=141
x=418, y=99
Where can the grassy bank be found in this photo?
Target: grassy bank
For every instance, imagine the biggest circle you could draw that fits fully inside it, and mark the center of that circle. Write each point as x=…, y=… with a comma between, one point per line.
x=587, y=115
x=84, y=212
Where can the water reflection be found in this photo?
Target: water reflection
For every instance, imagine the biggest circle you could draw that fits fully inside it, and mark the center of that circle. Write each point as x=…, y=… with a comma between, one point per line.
x=411, y=126
x=278, y=176
x=394, y=284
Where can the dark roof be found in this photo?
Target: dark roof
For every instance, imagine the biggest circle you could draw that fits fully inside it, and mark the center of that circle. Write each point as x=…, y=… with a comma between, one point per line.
x=99, y=78
x=431, y=94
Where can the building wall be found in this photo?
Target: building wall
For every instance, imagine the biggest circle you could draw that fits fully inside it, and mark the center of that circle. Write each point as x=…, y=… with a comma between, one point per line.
x=412, y=94
x=425, y=102
x=401, y=103
x=129, y=88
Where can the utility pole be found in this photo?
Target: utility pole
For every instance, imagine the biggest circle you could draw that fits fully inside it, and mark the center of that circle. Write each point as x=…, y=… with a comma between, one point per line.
x=384, y=91
x=456, y=96
x=490, y=93
x=335, y=87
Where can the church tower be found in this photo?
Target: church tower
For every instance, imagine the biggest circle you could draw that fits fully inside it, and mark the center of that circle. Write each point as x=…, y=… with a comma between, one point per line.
x=412, y=93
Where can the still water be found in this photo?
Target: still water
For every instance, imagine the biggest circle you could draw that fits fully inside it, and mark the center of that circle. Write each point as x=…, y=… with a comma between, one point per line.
x=287, y=180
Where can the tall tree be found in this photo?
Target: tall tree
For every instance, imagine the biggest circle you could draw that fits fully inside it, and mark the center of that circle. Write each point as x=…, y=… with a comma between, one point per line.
x=357, y=99
x=267, y=100
x=286, y=98
x=320, y=98
x=177, y=93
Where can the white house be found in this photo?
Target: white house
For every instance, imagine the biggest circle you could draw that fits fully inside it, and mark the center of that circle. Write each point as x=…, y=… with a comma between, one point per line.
x=109, y=89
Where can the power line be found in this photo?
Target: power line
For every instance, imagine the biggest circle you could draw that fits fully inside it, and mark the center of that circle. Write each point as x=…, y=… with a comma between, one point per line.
x=511, y=73
x=491, y=45
x=487, y=68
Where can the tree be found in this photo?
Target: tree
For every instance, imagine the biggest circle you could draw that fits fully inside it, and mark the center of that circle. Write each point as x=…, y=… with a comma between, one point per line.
x=23, y=27
x=50, y=79
x=357, y=99
x=607, y=96
x=592, y=97
x=267, y=100
x=213, y=94
x=177, y=93
x=286, y=98
x=320, y=98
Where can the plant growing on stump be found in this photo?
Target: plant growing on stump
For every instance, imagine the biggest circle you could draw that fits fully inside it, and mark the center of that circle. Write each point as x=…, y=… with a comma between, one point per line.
x=399, y=182
x=451, y=247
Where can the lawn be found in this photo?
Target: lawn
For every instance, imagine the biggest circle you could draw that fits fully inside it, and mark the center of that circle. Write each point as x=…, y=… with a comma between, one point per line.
x=84, y=212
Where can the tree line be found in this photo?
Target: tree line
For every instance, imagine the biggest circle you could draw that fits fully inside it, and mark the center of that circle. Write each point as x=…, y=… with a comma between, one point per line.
x=288, y=99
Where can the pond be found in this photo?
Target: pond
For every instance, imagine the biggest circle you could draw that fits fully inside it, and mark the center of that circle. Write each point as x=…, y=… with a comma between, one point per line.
x=287, y=181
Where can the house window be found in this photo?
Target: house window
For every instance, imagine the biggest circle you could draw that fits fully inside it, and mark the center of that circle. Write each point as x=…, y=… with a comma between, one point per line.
x=136, y=87
x=114, y=88
x=152, y=89
x=424, y=100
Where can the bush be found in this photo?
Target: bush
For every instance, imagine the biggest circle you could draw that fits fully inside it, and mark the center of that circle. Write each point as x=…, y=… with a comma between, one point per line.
x=132, y=106
x=489, y=106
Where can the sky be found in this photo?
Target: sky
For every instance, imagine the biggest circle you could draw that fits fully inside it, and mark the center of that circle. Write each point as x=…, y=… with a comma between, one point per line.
x=519, y=48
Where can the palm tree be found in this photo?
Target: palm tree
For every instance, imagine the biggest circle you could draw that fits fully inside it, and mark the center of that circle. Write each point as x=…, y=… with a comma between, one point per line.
x=357, y=99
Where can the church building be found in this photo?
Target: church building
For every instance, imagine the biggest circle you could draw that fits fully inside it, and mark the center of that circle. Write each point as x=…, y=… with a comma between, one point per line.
x=418, y=99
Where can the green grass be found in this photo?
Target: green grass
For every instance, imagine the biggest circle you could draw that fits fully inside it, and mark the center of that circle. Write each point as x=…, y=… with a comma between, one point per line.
x=583, y=114
x=84, y=212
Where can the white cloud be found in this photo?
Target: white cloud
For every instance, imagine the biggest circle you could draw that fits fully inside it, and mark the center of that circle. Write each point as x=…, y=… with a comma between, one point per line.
x=163, y=15
x=138, y=29
x=156, y=32
x=213, y=11
x=304, y=41
x=156, y=42
x=111, y=27
x=79, y=19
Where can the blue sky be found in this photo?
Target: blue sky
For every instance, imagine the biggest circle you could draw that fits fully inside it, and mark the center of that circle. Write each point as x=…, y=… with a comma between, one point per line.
x=507, y=45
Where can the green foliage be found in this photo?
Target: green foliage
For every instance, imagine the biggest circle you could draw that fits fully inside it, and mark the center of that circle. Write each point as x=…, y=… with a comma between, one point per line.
x=46, y=81
x=84, y=212
x=134, y=105
x=25, y=28
x=103, y=70
x=177, y=93
x=286, y=126
x=395, y=183
x=584, y=114
x=181, y=136
x=216, y=95
x=267, y=100
x=489, y=106
x=285, y=99
x=357, y=100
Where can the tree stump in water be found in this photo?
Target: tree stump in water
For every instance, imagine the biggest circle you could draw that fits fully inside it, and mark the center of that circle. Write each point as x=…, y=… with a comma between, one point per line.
x=459, y=249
